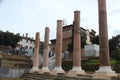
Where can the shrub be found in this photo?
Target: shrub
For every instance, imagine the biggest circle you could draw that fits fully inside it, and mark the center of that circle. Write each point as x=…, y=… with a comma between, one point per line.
x=116, y=54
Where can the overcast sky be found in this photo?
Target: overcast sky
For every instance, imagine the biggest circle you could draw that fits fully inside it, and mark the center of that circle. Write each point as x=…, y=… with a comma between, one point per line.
x=31, y=16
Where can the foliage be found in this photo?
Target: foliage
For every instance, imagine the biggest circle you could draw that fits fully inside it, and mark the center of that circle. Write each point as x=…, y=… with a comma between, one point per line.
x=114, y=43
x=95, y=40
x=116, y=54
x=9, y=39
x=83, y=42
x=92, y=61
x=67, y=65
x=113, y=61
x=91, y=65
x=116, y=67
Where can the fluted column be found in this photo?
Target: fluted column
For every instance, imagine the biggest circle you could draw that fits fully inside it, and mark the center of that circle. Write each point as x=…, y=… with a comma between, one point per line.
x=45, y=52
x=105, y=68
x=58, y=58
x=76, y=46
x=35, y=67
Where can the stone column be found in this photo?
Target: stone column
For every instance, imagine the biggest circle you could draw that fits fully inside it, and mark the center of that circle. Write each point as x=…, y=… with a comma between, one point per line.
x=45, y=52
x=105, y=69
x=58, y=51
x=35, y=67
x=76, y=47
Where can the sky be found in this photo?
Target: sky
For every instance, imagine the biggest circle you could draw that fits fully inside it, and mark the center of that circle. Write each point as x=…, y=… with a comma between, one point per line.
x=31, y=16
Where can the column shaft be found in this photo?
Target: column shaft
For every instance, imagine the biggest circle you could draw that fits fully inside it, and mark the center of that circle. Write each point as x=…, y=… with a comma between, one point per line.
x=46, y=46
x=36, y=50
x=77, y=41
x=35, y=67
x=76, y=70
x=105, y=70
x=59, y=44
x=45, y=52
x=103, y=34
x=58, y=50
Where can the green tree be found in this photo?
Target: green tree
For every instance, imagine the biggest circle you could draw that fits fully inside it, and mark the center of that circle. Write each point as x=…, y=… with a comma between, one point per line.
x=83, y=42
x=114, y=43
x=116, y=54
x=9, y=39
x=95, y=40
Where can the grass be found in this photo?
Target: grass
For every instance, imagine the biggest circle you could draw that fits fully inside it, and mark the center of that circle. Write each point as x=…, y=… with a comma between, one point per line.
x=96, y=61
x=92, y=61
x=113, y=61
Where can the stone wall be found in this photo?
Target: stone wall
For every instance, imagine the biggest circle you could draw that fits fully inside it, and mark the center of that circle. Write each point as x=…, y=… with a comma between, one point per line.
x=12, y=73
x=91, y=50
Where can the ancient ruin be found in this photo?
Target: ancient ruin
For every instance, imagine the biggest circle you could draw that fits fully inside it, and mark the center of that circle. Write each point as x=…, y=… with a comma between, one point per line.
x=35, y=67
x=104, y=71
x=76, y=47
x=45, y=52
x=58, y=58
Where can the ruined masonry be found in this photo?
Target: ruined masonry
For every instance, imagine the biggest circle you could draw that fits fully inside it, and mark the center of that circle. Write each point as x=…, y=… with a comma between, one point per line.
x=45, y=52
x=35, y=67
x=104, y=71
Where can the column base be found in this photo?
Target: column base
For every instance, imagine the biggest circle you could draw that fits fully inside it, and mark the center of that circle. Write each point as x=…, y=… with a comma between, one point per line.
x=75, y=71
x=104, y=72
x=34, y=69
x=57, y=70
x=44, y=70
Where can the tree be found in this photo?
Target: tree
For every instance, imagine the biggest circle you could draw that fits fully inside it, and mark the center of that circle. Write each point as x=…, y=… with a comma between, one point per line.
x=9, y=39
x=114, y=43
x=83, y=42
x=116, y=54
x=95, y=40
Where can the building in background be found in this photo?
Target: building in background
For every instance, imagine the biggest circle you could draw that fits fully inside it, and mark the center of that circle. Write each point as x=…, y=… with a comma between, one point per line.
x=86, y=35
x=26, y=45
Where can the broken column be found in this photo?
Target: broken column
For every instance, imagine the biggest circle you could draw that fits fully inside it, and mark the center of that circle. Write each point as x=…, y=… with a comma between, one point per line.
x=35, y=67
x=45, y=52
x=76, y=47
x=58, y=51
x=105, y=69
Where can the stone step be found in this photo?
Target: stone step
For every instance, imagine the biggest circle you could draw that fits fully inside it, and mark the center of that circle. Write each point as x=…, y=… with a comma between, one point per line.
x=37, y=76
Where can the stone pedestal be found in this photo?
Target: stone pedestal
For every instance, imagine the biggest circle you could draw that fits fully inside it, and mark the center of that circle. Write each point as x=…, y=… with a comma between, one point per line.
x=58, y=70
x=44, y=70
x=35, y=67
x=104, y=73
x=76, y=71
x=58, y=57
x=45, y=52
x=105, y=69
x=91, y=50
x=76, y=47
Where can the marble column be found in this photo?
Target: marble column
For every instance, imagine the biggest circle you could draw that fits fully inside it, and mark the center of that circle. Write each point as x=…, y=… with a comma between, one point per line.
x=76, y=47
x=58, y=51
x=105, y=69
x=45, y=52
x=35, y=67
